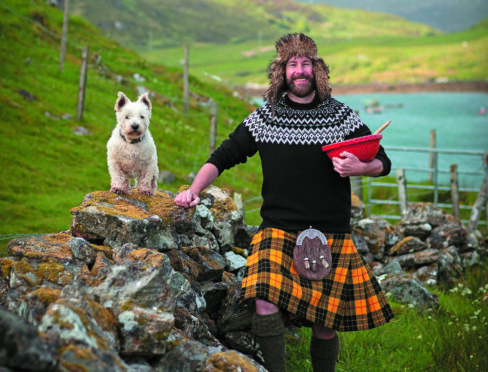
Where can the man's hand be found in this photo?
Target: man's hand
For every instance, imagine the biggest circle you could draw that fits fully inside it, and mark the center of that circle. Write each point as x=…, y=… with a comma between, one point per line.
x=187, y=199
x=205, y=176
x=348, y=165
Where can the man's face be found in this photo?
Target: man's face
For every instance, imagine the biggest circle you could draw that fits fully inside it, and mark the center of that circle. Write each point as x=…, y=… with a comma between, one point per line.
x=299, y=76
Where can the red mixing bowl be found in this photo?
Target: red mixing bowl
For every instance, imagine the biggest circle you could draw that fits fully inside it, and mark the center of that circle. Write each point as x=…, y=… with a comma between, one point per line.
x=365, y=148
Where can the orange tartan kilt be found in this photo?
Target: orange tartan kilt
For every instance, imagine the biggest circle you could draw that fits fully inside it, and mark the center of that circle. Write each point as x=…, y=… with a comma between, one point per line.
x=348, y=299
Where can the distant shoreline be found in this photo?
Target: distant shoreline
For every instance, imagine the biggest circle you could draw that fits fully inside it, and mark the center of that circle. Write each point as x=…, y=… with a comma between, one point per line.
x=455, y=86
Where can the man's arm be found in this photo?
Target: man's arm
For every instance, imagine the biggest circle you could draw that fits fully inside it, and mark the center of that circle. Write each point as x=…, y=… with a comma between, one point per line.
x=190, y=197
x=350, y=165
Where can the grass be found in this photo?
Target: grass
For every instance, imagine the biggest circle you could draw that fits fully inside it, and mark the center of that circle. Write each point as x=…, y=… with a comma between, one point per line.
x=450, y=338
x=46, y=168
x=359, y=60
x=156, y=24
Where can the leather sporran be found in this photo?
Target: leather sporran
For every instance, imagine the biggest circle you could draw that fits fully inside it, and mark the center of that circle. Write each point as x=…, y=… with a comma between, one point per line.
x=311, y=256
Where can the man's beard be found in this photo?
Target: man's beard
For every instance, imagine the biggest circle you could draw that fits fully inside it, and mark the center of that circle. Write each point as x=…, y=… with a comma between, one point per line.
x=302, y=91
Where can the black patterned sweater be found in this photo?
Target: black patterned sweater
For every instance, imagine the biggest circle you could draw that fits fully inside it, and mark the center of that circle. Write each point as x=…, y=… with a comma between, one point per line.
x=300, y=187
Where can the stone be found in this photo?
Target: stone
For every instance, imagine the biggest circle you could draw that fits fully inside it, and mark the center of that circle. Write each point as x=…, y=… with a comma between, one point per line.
x=409, y=291
x=234, y=261
x=409, y=244
x=146, y=221
x=166, y=177
x=425, y=212
x=139, y=284
x=449, y=234
x=420, y=229
x=25, y=349
x=379, y=234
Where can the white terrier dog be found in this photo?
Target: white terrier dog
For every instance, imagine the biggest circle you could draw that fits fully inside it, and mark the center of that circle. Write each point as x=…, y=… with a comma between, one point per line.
x=131, y=152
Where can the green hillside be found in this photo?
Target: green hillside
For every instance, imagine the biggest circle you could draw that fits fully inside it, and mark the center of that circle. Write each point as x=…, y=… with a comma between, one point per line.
x=233, y=41
x=46, y=168
x=159, y=24
x=460, y=56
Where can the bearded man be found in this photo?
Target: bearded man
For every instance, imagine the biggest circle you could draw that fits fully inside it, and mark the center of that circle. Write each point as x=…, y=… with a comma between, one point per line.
x=302, y=188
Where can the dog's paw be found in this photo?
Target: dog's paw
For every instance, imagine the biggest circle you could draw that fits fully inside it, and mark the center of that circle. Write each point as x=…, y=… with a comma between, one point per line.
x=119, y=191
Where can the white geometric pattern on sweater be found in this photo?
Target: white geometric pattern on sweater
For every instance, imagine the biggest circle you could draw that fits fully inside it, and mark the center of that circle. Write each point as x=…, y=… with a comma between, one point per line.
x=330, y=122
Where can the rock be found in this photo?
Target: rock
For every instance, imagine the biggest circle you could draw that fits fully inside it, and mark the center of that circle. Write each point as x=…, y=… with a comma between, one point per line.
x=417, y=259
x=449, y=266
x=244, y=342
x=427, y=275
x=407, y=245
x=231, y=361
x=116, y=219
x=210, y=264
x=234, y=261
x=379, y=235
x=28, y=96
x=450, y=234
x=415, y=228
x=425, y=212
x=139, y=284
x=195, y=327
x=234, y=316
x=360, y=243
x=79, y=130
x=23, y=348
x=214, y=293
x=393, y=268
x=409, y=291
x=166, y=177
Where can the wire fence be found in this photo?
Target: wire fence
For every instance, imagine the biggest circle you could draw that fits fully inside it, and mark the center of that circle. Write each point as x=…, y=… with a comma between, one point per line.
x=435, y=187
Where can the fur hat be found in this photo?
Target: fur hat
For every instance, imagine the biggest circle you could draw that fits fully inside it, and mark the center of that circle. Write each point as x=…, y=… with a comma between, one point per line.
x=292, y=45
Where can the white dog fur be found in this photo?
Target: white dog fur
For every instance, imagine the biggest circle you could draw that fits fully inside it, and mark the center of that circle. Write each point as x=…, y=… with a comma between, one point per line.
x=131, y=152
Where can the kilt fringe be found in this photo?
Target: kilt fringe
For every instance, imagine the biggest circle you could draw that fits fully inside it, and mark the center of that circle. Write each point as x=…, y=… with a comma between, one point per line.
x=349, y=298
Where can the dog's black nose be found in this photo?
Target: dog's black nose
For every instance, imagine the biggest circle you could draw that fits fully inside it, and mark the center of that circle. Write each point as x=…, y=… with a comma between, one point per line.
x=135, y=126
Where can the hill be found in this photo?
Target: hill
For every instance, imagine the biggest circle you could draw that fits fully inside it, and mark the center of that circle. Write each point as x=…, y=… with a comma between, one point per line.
x=156, y=24
x=232, y=42
x=49, y=160
x=460, y=56
x=445, y=15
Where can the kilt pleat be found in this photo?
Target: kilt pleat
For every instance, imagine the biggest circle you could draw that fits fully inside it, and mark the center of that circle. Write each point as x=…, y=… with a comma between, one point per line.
x=349, y=298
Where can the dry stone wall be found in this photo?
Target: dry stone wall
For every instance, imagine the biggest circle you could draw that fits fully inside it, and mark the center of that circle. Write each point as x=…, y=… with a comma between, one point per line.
x=140, y=284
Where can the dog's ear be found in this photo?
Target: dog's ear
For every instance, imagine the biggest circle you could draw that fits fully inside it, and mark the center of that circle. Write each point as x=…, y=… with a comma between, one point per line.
x=145, y=99
x=121, y=101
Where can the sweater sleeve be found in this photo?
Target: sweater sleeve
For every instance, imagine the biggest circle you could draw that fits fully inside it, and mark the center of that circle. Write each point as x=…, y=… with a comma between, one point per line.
x=363, y=130
x=234, y=150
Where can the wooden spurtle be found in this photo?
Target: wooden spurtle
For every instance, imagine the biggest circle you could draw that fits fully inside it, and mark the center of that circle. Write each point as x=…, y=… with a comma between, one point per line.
x=380, y=129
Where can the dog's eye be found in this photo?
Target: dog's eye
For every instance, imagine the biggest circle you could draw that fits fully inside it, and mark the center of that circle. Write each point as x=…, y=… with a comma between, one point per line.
x=142, y=116
x=127, y=117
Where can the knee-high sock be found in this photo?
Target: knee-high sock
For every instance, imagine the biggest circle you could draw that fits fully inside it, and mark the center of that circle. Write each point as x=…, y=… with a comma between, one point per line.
x=324, y=353
x=270, y=334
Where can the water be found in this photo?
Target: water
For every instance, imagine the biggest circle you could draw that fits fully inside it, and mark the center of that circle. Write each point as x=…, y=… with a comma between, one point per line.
x=455, y=117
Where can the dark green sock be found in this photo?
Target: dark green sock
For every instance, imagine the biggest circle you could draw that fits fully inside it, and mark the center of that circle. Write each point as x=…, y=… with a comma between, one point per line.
x=324, y=353
x=270, y=334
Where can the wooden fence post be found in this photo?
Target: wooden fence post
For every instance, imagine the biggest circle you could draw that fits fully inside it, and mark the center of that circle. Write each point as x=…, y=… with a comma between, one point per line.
x=455, y=191
x=82, y=87
x=64, y=36
x=477, y=207
x=402, y=191
x=432, y=155
x=213, y=126
x=185, y=78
